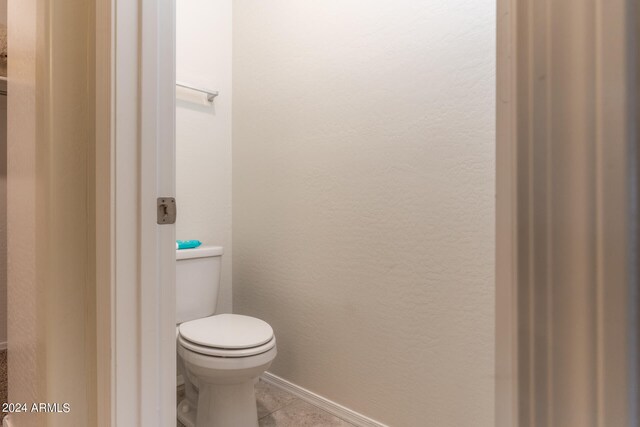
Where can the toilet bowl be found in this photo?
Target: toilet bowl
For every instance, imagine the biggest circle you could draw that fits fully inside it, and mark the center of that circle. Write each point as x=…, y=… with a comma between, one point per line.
x=219, y=356
x=222, y=357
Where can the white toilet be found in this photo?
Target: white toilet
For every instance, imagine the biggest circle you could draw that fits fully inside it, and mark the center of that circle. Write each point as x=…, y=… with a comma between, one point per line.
x=219, y=356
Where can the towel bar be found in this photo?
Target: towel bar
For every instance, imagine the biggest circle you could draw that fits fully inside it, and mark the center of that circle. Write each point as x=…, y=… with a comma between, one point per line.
x=211, y=94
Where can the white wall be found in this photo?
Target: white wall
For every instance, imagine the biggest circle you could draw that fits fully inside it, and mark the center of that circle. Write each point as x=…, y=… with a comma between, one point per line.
x=203, y=133
x=363, y=206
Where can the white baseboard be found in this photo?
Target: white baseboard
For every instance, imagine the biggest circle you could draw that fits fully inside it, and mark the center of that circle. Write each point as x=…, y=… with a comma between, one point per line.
x=323, y=403
x=3, y=345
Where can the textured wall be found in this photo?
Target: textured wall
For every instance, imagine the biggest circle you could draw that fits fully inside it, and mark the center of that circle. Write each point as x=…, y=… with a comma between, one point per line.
x=203, y=133
x=363, y=205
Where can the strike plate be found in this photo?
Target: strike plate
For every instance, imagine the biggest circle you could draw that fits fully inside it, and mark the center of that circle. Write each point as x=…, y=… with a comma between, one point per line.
x=167, y=210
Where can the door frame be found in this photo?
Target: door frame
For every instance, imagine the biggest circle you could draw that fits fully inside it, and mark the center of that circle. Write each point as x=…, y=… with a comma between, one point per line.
x=135, y=128
x=544, y=48
x=135, y=257
x=134, y=120
x=135, y=141
x=506, y=270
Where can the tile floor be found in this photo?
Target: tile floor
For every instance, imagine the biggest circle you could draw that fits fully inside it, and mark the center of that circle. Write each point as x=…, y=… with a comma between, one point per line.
x=277, y=408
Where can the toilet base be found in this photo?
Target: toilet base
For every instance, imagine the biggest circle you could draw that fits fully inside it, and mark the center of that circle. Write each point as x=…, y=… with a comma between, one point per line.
x=220, y=391
x=186, y=414
x=222, y=405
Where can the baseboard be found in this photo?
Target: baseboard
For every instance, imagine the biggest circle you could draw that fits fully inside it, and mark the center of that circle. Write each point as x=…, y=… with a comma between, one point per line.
x=323, y=403
x=3, y=345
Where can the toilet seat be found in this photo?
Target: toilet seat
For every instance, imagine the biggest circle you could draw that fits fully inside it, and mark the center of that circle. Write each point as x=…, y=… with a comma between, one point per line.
x=227, y=335
x=222, y=352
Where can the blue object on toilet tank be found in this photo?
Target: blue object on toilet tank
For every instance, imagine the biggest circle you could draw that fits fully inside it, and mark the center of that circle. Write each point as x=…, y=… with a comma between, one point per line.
x=187, y=244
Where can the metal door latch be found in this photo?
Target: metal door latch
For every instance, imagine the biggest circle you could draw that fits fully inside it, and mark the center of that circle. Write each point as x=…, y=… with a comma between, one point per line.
x=167, y=210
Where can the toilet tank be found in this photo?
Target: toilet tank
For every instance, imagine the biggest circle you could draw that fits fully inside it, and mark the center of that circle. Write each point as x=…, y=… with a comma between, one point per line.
x=197, y=282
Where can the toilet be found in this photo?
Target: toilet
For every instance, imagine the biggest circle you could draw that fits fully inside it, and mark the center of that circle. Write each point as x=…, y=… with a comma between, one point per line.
x=220, y=357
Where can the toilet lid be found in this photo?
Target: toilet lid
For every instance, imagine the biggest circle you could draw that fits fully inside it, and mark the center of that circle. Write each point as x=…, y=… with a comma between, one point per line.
x=227, y=331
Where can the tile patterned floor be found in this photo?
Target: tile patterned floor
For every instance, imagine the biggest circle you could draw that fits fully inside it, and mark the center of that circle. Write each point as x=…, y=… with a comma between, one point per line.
x=277, y=408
